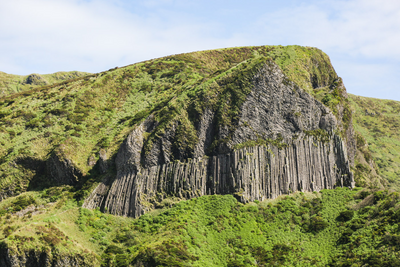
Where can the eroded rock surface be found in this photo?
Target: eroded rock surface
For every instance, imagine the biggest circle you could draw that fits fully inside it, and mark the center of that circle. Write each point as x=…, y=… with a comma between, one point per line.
x=62, y=171
x=9, y=258
x=275, y=108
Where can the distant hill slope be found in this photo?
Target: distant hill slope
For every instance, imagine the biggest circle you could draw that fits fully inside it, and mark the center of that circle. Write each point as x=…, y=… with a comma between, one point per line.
x=10, y=83
x=378, y=121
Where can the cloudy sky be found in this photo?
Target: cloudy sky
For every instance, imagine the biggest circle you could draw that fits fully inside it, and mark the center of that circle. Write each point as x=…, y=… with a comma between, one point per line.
x=362, y=37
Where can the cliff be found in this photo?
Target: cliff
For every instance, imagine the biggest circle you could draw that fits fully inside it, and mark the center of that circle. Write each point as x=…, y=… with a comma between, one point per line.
x=9, y=258
x=239, y=124
x=282, y=140
x=194, y=104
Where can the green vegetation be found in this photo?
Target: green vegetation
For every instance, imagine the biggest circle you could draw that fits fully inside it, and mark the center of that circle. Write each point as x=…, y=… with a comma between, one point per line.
x=338, y=227
x=10, y=83
x=43, y=222
x=319, y=134
x=377, y=122
x=78, y=118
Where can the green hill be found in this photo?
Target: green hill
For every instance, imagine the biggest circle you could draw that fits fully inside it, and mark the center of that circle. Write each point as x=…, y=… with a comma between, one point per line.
x=378, y=121
x=10, y=83
x=82, y=123
x=80, y=118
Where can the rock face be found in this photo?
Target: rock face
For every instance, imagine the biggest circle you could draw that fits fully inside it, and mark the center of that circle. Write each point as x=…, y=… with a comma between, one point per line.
x=277, y=106
x=254, y=173
x=103, y=161
x=41, y=259
x=283, y=141
x=61, y=170
x=35, y=79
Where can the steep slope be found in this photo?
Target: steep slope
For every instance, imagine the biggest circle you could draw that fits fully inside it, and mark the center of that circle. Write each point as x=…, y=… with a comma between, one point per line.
x=264, y=151
x=255, y=122
x=76, y=124
x=10, y=83
x=378, y=121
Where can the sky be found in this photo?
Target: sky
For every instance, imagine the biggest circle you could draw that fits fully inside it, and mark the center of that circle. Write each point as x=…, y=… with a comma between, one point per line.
x=361, y=37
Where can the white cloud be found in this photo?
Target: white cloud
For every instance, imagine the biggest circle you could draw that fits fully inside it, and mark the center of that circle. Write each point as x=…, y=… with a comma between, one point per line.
x=93, y=36
x=364, y=27
x=362, y=38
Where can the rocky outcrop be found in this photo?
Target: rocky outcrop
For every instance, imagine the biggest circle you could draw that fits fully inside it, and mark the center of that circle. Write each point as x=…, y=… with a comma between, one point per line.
x=103, y=161
x=9, y=258
x=98, y=196
x=253, y=173
x=283, y=141
x=276, y=106
x=61, y=170
x=35, y=79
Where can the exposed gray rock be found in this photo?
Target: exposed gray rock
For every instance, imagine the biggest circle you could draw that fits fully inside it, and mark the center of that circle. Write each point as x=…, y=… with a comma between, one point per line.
x=161, y=149
x=32, y=258
x=351, y=143
x=205, y=134
x=98, y=196
x=254, y=173
x=129, y=155
x=328, y=122
x=103, y=161
x=35, y=79
x=29, y=209
x=62, y=171
x=275, y=107
x=91, y=161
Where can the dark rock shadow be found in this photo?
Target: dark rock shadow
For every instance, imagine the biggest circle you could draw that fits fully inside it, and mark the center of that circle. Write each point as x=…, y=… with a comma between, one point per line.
x=39, y=181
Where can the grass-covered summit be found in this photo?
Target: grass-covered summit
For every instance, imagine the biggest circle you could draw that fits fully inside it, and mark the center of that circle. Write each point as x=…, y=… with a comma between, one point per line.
x=82, y=118
x=83, y=122
x=10, y=84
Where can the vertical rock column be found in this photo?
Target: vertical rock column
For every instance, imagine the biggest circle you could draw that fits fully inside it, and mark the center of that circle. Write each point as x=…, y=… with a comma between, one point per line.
x=133, y=194
x=252, y=173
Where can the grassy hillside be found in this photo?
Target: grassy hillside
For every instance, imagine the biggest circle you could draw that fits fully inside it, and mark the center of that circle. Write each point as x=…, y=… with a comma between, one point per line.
x=10, y=83
x=378, y=121
x=79, y=118
x=338, y=227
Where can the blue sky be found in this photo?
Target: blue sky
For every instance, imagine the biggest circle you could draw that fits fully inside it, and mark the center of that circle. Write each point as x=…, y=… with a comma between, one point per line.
x=362, y=37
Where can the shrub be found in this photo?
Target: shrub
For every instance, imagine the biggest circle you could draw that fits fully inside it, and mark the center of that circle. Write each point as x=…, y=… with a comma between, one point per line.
x=345, y=238
x=33, y=123
x=364, y=194
x=22, y=202
x=317, y=224
x=345, y=216
x=169, y=253
x=379, y=195
x=326, y=99
x=8, y=230
x=51, y=239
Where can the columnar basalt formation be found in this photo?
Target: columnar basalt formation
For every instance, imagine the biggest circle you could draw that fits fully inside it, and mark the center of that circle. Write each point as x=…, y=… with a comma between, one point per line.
x=253, y=173
x=299, y=151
